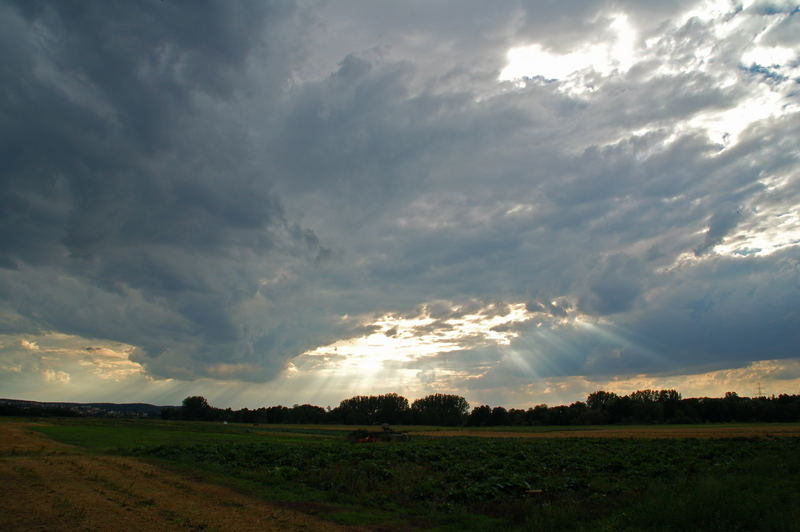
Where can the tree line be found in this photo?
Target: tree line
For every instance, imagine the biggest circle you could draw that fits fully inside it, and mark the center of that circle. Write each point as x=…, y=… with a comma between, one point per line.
x=600, y=408
x=436, y=409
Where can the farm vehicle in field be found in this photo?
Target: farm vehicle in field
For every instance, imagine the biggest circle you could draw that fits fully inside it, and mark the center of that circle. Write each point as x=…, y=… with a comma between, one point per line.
x=387, y=434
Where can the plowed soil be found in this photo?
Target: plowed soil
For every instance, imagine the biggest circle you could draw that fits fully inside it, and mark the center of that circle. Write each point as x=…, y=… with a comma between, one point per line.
x=46, y=485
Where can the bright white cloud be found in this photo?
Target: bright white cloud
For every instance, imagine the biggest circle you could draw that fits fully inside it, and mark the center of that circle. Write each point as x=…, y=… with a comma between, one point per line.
x=615, y=54
x=770, y=56
x=725, y=127
x=713, y=11
x=406, y=339
x=767, y=231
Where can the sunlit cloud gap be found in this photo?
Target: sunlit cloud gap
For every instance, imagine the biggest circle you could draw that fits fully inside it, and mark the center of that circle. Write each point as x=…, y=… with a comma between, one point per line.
x=617, y=55
x=402, y=351
x=726, y=127
x=532, y=61
x=328, y=387
x=401, y=339
x=769, y=231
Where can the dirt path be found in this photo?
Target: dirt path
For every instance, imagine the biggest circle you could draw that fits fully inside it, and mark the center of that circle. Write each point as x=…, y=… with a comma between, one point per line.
x=45, y=485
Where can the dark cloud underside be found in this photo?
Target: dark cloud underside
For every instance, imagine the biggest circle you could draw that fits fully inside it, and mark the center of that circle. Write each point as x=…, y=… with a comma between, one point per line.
x=224, y=186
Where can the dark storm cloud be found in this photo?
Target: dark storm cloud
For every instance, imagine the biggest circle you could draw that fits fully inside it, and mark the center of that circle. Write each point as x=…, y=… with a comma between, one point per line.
x=726, y=306
x=99, y=108
x=221, y=185
x=614, y=285
x=720, y=224
x=129, y=209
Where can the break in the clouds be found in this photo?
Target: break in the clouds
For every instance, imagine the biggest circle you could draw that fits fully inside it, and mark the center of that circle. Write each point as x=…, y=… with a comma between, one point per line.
x=277, y=202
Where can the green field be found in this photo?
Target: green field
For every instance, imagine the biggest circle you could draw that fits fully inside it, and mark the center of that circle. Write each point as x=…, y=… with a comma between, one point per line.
x=478, y=483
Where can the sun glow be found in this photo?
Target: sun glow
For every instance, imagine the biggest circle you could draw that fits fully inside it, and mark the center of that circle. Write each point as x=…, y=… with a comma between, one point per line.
x=771, y=231
x=398, y=340
x=726, y=127
x=535, y=60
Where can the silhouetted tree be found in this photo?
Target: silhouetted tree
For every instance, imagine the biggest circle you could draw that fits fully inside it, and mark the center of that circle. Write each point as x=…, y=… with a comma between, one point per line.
x=277, y=414
x=305, y=414
x=576, y=412
x=641, y=406
x=516, y=417
x=537, y=415
x=440, y=409
x=358, y=410
x=196, y=407
x=499, y=416
x=372, y=410
x=392, y=408
x=666, y=396
x=645, y=406
x=558, y=415
x=481, y=416
x=600, y=399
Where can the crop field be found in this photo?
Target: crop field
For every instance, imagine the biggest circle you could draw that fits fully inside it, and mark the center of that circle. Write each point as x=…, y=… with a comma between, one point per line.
x=710, y=477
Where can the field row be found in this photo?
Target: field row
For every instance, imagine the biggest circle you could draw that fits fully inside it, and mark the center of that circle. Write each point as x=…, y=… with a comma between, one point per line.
x=546, y=482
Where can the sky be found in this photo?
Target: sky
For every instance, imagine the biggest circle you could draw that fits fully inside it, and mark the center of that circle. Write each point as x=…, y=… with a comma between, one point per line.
x=299, y=202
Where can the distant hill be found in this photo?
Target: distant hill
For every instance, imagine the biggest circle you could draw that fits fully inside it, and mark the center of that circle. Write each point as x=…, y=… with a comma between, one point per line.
x=12, y=406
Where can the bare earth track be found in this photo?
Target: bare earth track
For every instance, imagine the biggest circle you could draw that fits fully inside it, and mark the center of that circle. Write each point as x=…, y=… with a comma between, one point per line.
x=51, y=486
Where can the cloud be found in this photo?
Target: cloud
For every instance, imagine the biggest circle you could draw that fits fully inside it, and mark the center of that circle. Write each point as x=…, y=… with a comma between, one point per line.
x=720, y=224
x=614, y=285
x=130, y=210
x=217, y=185
x=56, y=376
